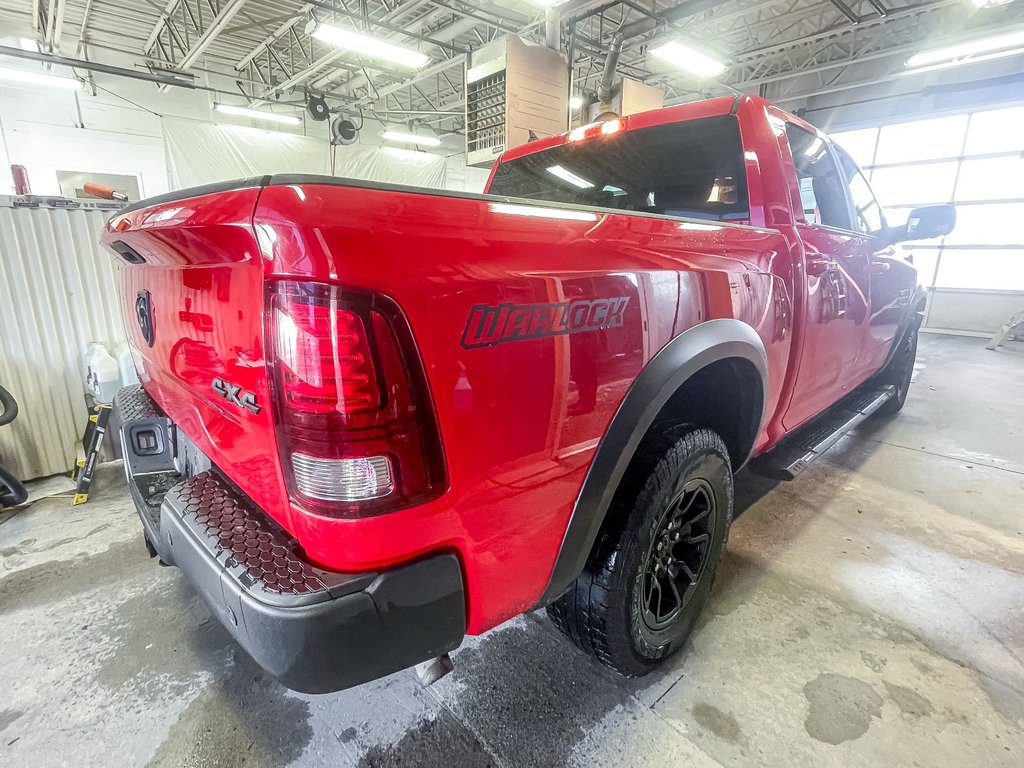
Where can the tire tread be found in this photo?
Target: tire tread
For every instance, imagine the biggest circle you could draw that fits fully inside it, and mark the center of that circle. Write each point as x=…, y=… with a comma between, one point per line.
x=586, y=613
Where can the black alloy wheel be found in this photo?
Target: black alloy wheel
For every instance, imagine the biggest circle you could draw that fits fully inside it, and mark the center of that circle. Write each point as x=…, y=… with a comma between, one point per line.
x=678, y=555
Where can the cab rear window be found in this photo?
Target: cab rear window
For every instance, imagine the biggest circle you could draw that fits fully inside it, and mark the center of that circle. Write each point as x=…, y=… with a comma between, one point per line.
x=691, y=169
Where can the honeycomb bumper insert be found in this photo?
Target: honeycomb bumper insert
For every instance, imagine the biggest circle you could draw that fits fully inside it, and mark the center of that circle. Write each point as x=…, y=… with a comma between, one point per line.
x=316, y=631
x=251, y=548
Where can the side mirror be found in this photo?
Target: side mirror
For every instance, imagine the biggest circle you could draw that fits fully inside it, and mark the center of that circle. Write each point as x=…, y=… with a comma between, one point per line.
x=924, y=223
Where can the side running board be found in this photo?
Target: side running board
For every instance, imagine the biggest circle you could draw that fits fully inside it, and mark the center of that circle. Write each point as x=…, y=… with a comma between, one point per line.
x=796, y=452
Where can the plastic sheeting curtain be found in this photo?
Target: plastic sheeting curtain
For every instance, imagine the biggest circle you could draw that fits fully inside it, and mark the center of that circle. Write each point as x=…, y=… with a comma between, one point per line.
x=201, y=153
x=57, y=293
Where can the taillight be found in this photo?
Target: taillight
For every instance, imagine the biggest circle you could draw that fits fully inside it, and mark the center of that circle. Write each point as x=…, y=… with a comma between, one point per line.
x=356, y=427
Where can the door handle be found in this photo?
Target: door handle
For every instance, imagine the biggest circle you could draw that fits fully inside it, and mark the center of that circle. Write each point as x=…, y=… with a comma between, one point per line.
x=820, y=266
x=879, y=267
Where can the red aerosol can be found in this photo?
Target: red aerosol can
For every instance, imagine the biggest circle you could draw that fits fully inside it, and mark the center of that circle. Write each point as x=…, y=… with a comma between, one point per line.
x=19, y=173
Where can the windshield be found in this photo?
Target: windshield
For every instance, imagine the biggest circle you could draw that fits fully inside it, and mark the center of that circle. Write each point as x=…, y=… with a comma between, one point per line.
x=692, y=169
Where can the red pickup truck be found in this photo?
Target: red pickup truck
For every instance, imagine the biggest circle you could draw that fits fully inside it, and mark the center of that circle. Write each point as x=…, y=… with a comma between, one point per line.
x=374, y=419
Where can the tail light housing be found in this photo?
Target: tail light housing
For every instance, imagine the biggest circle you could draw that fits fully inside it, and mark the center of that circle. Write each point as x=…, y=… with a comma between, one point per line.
x=356, y=427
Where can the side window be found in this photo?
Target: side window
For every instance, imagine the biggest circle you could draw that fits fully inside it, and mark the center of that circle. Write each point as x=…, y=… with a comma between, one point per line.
x=866, y=210
x=822, y=184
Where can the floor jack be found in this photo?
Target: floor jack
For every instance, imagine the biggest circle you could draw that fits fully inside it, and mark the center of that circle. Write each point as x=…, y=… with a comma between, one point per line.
x=93, y=442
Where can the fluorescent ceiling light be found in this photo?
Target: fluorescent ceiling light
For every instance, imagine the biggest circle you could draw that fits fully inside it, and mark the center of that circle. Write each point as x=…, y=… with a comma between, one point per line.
x=566, y=175
x=542, y=213
x=415, y=155
x=961, y=62
x=370, y=46
x=686, y=58
x=576, y=101
x=258, y=114
x=39, y=78
x=965, y=53
x=986, y=3
x=412, y=138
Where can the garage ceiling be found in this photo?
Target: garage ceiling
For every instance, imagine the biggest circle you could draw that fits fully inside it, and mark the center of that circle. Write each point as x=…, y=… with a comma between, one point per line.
x=785, y=49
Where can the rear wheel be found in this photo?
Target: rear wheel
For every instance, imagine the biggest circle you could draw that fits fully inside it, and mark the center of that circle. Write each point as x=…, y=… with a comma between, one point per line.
x=8, y=407
x=900, y=371
x=12, y=492
x=648, y=579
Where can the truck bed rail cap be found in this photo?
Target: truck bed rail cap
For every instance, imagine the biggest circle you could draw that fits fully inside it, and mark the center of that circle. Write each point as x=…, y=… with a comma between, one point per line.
x=203, y=189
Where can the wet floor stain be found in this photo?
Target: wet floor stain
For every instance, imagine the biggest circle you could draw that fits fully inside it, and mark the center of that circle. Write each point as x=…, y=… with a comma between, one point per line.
x=441, y=742
x=841, y=708
x=873, y=661
x=244, y=719
x=7, y=717
x=57, y=579
x=162, y=639
x=909, y=701
x=721, y=723
x=535, y=695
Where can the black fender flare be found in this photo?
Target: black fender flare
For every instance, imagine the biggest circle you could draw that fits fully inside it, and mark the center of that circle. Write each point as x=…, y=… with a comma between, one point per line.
x=913, y=317
x=677, y=361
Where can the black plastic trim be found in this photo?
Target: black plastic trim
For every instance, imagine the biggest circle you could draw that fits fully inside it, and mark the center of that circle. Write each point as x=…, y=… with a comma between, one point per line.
x=404, y=616
x=204, y=189
x=344, y=630
x=286, y=179
x=679, y=360
x=336, y=181
x=914, y=313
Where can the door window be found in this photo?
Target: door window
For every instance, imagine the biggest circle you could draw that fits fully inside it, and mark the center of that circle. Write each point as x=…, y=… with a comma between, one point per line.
x=867, y=213
x=822, y=184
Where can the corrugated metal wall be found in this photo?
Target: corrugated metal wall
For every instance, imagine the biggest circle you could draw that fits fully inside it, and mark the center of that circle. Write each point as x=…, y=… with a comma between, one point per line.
x=57, y=293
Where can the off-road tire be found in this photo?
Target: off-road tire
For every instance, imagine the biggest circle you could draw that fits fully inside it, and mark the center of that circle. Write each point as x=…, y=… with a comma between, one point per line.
x=603, y=611
x=899, y=372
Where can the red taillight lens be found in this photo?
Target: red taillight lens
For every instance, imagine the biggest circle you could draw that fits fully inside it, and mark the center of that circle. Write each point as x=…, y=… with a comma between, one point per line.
x=325, y=359
x=356, y=429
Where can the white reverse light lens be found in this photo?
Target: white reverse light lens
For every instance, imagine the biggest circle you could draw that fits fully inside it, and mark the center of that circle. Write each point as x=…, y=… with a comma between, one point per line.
x=369, y=46
x=38, y=78
x=343, y=479
x=686, y=58
x=542, y=213
x=954, y=53
x=412, y=138
x=258, y=114
x=566, y=175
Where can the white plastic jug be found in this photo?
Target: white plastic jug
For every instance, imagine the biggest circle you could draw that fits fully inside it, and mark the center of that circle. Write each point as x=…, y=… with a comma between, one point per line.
x=103, y=377
x=126, y=364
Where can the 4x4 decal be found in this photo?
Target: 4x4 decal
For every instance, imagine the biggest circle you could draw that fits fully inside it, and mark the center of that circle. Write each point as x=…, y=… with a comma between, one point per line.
x=234, y=395
x=491, y=324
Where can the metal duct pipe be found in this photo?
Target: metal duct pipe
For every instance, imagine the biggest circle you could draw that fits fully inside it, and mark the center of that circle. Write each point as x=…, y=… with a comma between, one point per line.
x=552, y=29
x=604, y=89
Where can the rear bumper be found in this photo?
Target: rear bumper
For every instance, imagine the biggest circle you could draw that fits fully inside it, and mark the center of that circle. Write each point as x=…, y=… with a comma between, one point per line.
x=314, y=630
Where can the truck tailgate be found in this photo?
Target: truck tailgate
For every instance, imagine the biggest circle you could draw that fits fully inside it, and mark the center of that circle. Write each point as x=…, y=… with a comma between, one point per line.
x=193, y=299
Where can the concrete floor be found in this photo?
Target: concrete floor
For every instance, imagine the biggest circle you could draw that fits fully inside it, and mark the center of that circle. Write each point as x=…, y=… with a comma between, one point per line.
x=870, y=613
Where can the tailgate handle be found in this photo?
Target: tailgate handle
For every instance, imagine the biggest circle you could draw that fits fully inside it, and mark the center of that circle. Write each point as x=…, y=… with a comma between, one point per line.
x=127, y=253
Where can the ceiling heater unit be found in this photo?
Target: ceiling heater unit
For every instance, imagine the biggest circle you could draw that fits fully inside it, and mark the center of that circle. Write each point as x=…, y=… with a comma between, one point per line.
x=515, y=92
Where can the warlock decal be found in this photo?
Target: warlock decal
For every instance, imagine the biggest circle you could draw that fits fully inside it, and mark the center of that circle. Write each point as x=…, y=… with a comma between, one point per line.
x=490, y=324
